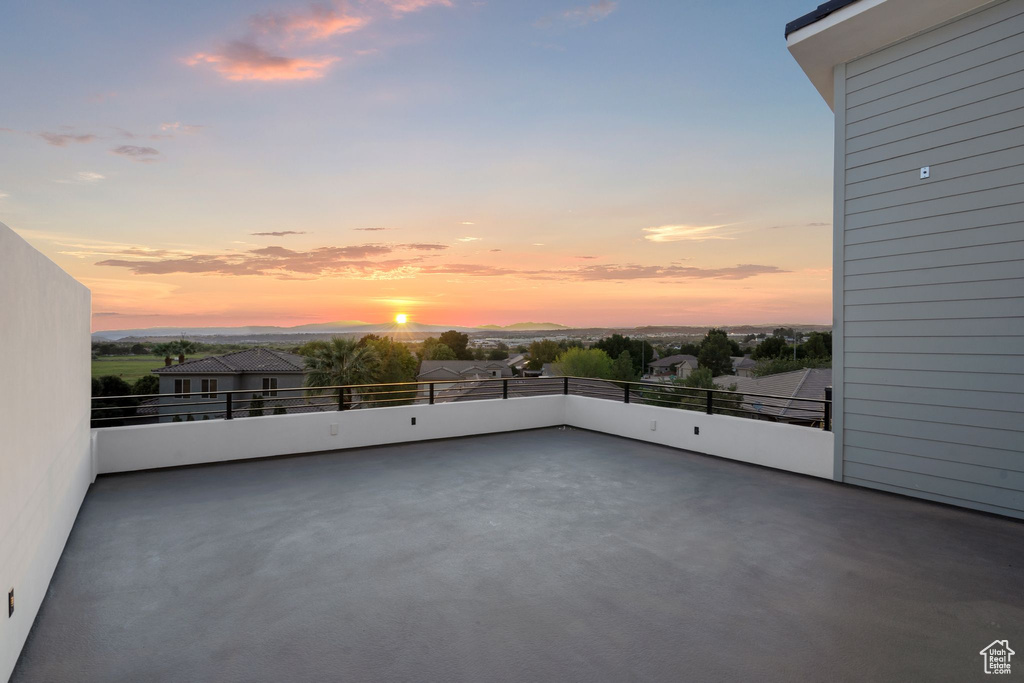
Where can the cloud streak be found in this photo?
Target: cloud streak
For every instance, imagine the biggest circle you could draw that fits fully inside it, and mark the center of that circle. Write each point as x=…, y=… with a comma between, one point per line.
x=367, y=261
x=65, y=139
x=135, y=152
x=282, y=233
x=245, y=61
x=684, y=233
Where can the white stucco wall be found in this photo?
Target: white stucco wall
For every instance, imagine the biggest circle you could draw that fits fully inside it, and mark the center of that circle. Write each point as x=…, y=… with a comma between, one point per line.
x=124, y=449
x=796, y=449
x=784, y=447
x=45, y=464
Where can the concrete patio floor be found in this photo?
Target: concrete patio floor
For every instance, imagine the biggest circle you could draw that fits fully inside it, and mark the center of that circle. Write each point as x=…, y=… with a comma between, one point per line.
x=549, y=555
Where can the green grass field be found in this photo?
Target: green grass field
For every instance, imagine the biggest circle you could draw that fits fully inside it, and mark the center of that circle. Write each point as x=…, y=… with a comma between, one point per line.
x=129, y=368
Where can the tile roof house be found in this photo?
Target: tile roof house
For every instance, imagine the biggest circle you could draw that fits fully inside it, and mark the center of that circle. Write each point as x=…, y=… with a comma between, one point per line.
x=262, y=371
x=809, y=383
x=452, y=370
x=743, y=366
x=680, y=365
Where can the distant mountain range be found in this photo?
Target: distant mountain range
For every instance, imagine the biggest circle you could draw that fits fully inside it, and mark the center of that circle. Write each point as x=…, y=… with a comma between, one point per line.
x=337, y=327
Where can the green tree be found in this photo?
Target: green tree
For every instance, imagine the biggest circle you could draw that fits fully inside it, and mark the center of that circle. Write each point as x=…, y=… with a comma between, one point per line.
x=818, y=345
x=640, y=350
x=715, y=353
x=772, y=347
x=689, y=394
x=783, y=332
x=138, y=350
x=178, y=347
x=339, y=362
x=147, y=384
x=498, y=353
x=457, y=342
x=256, y=406
x=115, y=409
x=395, y=364
x=544, y=351
x=433, y=349
x=577, y=362
x=622, y=368
x=775, y=366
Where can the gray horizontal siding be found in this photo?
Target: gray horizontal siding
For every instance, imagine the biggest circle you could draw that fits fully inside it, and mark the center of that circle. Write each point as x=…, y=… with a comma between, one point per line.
x=932, y=271
x=926, y=42
x=952, y=152
x=910, y=178
x=956, y=239
x=949, y=398
x=967, y=344
x=1007, y=363
x=938, y=450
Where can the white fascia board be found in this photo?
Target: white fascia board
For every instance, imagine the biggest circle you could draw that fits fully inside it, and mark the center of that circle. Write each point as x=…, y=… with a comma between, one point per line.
x=862, y=28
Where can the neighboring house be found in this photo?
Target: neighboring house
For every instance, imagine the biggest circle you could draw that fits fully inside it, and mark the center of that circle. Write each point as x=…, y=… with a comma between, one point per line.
x=743, y=366
x=928, y=258
x=517, y=361
x=790, y=387
x=452, y=370
x=263, y=372
x=679, y=365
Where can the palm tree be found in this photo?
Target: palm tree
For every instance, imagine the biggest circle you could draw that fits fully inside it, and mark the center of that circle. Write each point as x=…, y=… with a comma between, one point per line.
x=339, y=362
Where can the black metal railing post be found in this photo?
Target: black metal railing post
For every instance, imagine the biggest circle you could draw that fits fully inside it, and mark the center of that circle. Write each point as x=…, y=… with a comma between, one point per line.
x=625, y=393
x=431, y=393
x=827, y=418
x=710, y=402
x=565, y=387
x=341, y=398
x=228, y=413
x=504, y=388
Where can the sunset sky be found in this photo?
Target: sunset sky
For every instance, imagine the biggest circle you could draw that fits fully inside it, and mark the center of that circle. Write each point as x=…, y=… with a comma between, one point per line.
x=462, y=161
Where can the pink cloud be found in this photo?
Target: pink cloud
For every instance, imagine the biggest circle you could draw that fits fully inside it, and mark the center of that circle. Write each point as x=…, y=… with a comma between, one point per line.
x=407, y=6
x=320, y=23
x=242, y=61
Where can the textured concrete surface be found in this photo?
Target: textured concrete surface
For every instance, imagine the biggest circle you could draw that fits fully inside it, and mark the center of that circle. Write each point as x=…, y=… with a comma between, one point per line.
x=551, y=555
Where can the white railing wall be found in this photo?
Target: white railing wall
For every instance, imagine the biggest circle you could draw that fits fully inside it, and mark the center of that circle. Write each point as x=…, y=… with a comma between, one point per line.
x=123, y=449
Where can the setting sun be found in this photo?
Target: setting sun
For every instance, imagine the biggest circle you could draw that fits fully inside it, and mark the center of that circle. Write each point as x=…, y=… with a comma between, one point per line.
x=401, y=318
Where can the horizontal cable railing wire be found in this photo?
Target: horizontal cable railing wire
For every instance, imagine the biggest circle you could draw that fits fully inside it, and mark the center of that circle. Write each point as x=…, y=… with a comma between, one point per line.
x=113, y=411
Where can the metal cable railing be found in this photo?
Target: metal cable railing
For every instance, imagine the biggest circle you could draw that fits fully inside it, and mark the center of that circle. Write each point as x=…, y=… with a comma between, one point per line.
x=113, y=411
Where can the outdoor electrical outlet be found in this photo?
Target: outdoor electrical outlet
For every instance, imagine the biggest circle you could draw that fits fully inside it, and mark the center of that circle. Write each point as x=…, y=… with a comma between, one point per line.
x=334, y=429
x=926, y=172
x=414, y=422
x=10, y=604
x=696, y=431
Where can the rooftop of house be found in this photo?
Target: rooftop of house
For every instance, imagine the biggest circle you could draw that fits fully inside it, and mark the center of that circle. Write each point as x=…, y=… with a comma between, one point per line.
x=672, y=361
x=809, y=383
x=743, y=362
x=250, y=360
x=555, y=554
x=454, y=369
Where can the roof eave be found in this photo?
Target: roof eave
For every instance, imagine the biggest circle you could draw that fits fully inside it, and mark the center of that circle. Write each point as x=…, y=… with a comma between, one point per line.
x=861, y=27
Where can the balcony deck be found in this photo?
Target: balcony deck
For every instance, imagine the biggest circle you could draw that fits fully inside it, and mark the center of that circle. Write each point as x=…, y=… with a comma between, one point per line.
x=553, y=554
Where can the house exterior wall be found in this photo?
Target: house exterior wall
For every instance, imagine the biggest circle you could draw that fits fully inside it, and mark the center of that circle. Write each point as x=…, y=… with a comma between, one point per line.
x=249, y=382
x=929, y=273
x=173, y=405
x=45, y=448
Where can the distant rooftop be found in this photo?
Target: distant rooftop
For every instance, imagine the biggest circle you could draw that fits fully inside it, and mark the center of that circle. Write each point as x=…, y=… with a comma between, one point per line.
x=250, y=360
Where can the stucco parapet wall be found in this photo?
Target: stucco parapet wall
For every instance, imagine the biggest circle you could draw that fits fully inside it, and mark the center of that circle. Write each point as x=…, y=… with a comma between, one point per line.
x=123, y=449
